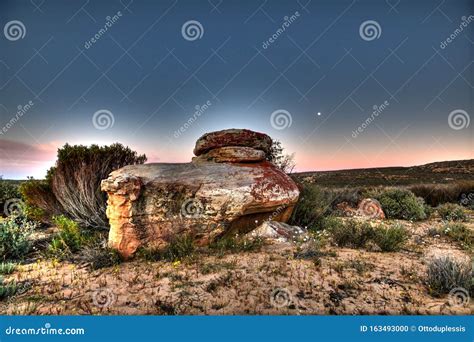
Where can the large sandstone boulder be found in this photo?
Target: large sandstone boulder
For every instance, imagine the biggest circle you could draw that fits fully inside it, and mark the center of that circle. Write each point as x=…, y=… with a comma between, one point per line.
x=232, y=154
x=233, y=137
x=150, y=205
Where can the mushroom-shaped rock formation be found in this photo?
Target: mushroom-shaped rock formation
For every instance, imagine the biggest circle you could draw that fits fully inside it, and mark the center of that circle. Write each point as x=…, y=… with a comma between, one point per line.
x=226, y=190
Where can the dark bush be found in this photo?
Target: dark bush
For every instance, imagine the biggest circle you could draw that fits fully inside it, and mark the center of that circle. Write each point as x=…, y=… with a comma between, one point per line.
x=401, y=204
x=436, y=194
x=75, y=180
x=41, y=204
x=313, y=205
x=8, y=191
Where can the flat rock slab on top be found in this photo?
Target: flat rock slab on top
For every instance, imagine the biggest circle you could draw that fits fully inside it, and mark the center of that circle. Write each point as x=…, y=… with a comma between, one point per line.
x=232, y=154
x=233, y=137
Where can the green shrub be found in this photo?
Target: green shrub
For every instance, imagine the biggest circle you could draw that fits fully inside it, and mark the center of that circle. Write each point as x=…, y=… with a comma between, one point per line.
x=14, y=234
x=313, y=205
x=41, y=203
x=7, y=289
x=401, y=204
x=235, y=244
x=390, y=238
x=459, y=233
x=68, y=240
x=446, y=272
x=8, y=191
x=452, y=212
x=352, y=233
x=7, y=267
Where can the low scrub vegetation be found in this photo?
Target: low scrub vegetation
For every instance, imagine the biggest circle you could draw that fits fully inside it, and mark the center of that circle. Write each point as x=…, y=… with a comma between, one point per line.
x=72, y=186
x=357, y=234
x=446, y=273
x=401, y=204
x=68, y=240
x=436, y=194
x=460, y=233
x=14, y=237
x=7, y=289
x=7, y=267
x=452, y=212
x=8, y=191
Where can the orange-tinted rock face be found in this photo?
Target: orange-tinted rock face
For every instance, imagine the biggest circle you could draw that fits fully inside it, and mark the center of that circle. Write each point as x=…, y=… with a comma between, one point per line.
x=232, y=154
x=233, y=137
x=149, y=205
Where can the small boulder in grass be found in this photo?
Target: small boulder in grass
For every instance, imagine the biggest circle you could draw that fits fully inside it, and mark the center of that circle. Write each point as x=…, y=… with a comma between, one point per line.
x=370, y=208
x=279, y=232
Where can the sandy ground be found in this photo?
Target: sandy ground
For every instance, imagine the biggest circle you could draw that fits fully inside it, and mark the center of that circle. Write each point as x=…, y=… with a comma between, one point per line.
x=270, y=281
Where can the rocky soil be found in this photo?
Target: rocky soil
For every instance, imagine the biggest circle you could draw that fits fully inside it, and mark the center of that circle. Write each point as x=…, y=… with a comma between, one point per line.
x=270, y=280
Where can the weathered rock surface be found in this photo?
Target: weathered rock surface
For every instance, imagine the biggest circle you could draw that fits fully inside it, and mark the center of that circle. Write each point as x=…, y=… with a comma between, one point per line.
x=149, y=205
x=279, y=232
x=233, y=137
x=370, y=208
x=232, y=154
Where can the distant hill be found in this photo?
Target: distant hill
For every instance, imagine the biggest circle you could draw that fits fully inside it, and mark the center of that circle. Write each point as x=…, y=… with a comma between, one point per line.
x=444, y=172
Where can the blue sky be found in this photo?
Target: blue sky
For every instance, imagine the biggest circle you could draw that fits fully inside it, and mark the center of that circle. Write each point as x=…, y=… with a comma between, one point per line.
x=149, y=78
